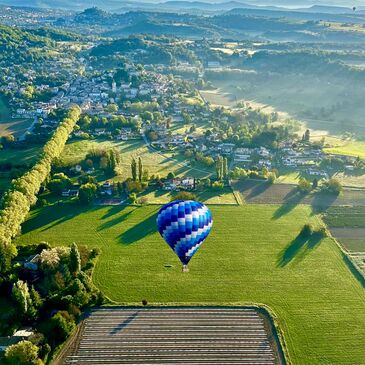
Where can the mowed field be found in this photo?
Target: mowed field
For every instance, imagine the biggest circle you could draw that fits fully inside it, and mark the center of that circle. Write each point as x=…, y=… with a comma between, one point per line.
x=251, y=256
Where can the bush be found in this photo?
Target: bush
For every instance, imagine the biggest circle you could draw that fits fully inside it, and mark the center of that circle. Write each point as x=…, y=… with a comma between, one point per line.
x=184, y=195
x=22, y=353
x=304, y=186
x=218, y=185
x=333, y=186
x=307, y=230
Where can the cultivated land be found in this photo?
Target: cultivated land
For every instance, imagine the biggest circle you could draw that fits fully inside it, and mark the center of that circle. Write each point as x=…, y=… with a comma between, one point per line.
x=258, y=192
x=251, y=256
x=174, y=335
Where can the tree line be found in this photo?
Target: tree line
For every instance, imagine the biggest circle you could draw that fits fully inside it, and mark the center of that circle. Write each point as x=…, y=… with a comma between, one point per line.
x=22, y=194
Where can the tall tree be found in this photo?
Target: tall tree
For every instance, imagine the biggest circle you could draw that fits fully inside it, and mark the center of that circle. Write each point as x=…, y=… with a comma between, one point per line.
x=140, y=169
x=75, y=259
x=134, y=169
x=225, y=167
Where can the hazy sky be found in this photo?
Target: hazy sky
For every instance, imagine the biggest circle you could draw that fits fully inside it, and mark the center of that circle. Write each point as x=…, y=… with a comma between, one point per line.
x=287, y=3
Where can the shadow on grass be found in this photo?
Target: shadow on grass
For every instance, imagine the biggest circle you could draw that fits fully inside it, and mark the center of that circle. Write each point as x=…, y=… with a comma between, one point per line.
x=298, y=249
x=114, y=209
x=124, y=324
x=289, y=204
x=52, y=216
x=322, y=201
x=114, y=221
x=139, y=231
x=358, y=276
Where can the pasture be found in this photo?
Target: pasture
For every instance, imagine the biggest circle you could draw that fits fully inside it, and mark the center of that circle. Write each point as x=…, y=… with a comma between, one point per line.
x=11, y=126
x=154, y=161
x=253, y=255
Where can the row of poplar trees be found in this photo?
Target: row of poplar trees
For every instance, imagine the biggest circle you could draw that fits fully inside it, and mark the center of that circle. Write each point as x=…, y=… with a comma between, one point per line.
x=221, y=168
x=22, y=194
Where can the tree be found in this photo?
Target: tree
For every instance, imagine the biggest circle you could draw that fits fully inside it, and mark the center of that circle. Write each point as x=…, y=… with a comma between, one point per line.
x=219, y=168
x=333, y=186
x=87, y=193
x=170, y=176
x=304, y=186
x=75, y=259
x=22, y=353
x=134, y=169
x=20, y=293
x=140, y=169
x=307, y=135
x=225, y=167
x=184, y=195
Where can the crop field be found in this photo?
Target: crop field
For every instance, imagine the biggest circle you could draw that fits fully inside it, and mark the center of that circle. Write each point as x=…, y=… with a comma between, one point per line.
x=174, y=335
x=251, y=256
x=153, y=161
x=257, y=192
x=347, y=224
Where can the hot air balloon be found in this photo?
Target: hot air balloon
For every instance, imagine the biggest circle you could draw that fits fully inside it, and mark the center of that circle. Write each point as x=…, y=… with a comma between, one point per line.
x=184, y=225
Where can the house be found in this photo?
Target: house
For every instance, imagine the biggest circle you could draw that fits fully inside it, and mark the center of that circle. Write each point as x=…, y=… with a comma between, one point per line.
x=32, y=263
x=70, y=193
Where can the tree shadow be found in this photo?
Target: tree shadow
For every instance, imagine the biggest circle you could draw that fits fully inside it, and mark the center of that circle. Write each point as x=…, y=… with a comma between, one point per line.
x=298, y=248
x=114, y=221
x=139, y=231
x=124, y=324
x=358, y=275
x=322, y=201
x=114, y=209
x=258, y=189
x=55, y=214
x=288, y=205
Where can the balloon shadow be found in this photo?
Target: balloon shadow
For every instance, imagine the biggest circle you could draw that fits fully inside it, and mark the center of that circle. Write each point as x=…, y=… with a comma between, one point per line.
x=124, y=324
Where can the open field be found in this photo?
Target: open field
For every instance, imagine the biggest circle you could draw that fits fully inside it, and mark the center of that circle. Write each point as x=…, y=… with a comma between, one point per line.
x=174, y=335
x=20, y=156
x=9, y=125
x=251, y=256
x=159, y=196
x=297, y=95
x=348, y=148
x=153, y=161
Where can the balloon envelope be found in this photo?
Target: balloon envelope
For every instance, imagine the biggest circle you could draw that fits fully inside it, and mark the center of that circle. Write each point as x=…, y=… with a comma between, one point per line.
x=184, y=225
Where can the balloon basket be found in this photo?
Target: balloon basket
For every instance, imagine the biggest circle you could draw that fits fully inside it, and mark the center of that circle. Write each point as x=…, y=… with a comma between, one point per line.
x=185, y=268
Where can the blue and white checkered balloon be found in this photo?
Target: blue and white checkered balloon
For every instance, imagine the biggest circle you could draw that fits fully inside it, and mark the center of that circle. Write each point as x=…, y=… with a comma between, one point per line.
x=184, y=225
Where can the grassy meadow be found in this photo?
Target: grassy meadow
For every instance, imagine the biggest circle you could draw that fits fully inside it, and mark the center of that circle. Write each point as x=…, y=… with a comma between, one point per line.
x=153, y=161
x=251, y=256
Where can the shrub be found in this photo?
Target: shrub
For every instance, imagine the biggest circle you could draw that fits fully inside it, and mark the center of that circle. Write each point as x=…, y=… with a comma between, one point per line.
x=218, y=185
x=304, y=186
x=23, y=353
x=307, y=230
x=184, y=195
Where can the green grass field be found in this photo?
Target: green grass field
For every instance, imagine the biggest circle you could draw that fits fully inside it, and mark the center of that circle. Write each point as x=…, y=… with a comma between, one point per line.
x=349, y=148
x=154, y=162
x=250, y=257
x=11, y=126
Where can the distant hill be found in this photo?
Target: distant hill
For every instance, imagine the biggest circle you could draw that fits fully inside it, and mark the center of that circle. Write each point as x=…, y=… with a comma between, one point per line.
x=216, y=5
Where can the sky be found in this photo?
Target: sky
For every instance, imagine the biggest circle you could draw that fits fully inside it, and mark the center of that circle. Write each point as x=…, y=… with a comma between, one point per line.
x=287, y=3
